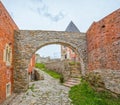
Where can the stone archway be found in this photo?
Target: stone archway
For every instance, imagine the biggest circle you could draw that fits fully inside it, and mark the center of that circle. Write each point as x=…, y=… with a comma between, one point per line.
x=28, y=42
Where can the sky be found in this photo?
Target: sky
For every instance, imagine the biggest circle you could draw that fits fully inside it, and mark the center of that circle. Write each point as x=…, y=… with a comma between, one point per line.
x=56, y=15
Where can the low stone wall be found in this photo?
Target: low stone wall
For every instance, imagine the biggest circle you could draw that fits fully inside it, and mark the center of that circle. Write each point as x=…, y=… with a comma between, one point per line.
x=57, y=66
x=66, y=68
x=38, y=75
x=61, y=67
x=109, y=79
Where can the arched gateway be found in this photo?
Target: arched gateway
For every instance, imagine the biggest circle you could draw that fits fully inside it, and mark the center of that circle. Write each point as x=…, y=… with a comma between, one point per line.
x=28, y=42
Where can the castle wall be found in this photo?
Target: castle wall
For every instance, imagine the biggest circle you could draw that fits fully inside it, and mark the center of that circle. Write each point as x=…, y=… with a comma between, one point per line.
x=7, y=27
x=103, y=40
x=103, y=44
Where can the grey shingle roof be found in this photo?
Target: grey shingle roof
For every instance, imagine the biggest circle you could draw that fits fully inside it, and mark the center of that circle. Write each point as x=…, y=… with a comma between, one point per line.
x=72, y=28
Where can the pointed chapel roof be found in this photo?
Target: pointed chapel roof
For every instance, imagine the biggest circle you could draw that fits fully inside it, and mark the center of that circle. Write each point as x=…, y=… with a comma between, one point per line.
x=72, y=28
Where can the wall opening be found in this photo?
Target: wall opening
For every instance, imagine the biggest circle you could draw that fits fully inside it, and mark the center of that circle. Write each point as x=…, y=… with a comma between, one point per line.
x=8, y=89
x=56, y=57
x=27, y=42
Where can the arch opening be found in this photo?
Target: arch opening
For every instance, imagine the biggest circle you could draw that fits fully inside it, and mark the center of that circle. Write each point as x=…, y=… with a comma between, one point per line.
x=69, y=66
x=71, y=46
x=28, y=42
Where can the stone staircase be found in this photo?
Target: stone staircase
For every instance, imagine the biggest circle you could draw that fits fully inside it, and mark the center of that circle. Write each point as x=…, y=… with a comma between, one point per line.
x=75, y=75
x=72, y=82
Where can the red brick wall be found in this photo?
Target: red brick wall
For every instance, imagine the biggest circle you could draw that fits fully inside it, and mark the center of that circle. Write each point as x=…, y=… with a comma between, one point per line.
x=7, y=27
x=103, y=41
x=32, y=64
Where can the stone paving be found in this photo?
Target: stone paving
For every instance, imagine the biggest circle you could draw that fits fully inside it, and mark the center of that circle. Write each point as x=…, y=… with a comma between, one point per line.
x=44, y=92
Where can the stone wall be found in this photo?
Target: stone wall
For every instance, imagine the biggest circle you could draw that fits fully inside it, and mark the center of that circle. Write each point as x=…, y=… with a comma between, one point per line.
x=103, y=39
x=65, y=68
x=105, y=79
x=42, y=59
x=28, y=42
x=57, y=66
x=103, y=43
x=7, y=27
x=61, y=67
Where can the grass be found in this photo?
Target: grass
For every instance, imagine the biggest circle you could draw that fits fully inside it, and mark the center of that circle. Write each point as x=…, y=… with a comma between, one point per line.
x=50, y=72
x=40, y=65
x=32, y=87
x=83, y=94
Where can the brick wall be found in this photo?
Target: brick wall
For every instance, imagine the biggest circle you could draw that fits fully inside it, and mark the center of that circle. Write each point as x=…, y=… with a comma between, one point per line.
x=7, y=27
x=103, y=41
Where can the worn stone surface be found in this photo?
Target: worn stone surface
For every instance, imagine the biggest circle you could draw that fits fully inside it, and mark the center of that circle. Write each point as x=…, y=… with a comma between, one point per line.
x=109, y=79
x=28, y=42
x=44, y=92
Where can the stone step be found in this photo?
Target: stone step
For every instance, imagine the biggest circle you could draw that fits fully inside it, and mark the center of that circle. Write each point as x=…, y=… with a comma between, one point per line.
x=75, y=68
x=68, y=85
x=75, y=76
x=75, y=71
x=72, y=82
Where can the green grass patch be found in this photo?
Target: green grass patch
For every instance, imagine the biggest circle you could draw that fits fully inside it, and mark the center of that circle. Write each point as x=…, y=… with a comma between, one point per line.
x=40, y=65
x=50, y=72
x=83, y=94
x=32, y=87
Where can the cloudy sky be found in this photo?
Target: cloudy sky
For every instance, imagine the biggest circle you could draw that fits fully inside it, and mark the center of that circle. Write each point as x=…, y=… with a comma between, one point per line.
x=56, y=14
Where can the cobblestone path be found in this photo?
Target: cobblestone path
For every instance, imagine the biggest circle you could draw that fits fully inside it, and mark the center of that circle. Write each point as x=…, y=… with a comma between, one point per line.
x=44, y=92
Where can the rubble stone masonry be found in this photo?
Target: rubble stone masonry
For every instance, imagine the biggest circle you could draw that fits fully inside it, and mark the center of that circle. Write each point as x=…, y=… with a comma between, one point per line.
x=103, y=41
x=7, y=27
x=27, y=42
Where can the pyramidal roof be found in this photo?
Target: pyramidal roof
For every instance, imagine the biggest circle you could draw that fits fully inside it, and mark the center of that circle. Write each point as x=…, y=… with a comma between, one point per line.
x=72, y=28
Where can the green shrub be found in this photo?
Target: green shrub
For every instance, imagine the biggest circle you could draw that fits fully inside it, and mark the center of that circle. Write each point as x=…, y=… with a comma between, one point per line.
x=61, y=79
